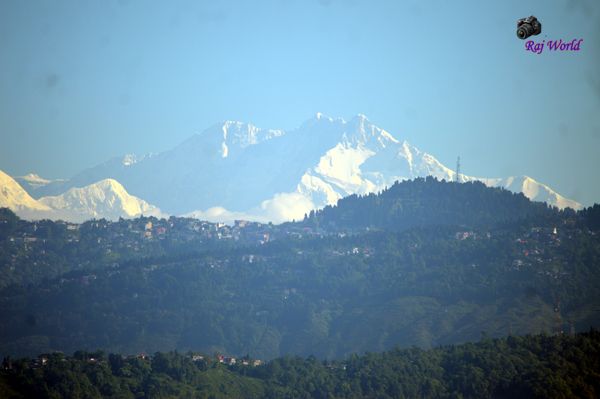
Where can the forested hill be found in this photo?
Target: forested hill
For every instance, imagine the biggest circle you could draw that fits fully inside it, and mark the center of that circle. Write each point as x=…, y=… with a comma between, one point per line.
x=427, y=201
x=148, y=284
x=514, y=367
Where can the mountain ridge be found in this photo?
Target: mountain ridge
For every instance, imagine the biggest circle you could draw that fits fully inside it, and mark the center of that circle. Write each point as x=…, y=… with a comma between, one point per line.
x=237, y=170
x=14, y=197
x=103, y=199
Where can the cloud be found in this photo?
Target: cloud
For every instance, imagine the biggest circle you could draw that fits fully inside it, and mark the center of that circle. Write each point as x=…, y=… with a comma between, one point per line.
x=283, y=207
x=220, y=214
x=286, y=206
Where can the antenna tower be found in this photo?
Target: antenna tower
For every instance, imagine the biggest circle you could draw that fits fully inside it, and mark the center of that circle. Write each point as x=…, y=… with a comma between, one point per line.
x=457, y=175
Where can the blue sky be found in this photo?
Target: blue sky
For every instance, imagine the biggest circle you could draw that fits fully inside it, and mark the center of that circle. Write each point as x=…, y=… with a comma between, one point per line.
x=83, y=81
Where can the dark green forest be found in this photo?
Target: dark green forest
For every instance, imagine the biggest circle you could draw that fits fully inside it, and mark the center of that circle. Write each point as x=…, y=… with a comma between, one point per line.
x=429, y=202
x=424, y=263
x=540, y=366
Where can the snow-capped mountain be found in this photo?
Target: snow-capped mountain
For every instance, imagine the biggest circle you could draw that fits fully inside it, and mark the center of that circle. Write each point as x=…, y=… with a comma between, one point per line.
x=366, y=159
x=15, y=198
x=533, y=190
x=232, y=165
x=369, y=159
x=236, y=170
x=104, y=199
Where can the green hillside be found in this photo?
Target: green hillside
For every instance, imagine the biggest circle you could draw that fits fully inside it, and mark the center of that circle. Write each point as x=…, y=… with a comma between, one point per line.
x=515, y=367
x=327, y=288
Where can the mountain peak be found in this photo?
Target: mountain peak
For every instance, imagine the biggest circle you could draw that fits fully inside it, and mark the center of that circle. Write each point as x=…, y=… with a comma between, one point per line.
x=131, y=159
x=537, y=191
x=319, y=116
x=109, y=184
x=106, y=198
x=321, y=119
x=14, y=197
x=323, y=160
x=362, y=132
x=241, y=135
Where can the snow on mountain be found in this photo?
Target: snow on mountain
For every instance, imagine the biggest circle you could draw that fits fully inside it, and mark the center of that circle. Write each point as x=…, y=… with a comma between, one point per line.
x=368, y=159
x=104, y=199
x=231, y=165
x=533, y=190
x=237, y=170
x=365, y=159
x=242, y=135
x=131, y=159
x=15, y=198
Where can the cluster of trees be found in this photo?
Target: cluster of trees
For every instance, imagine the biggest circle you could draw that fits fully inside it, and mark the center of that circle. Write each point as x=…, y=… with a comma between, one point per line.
x=528, y=269
x=427, y=201
x=329, y=297
x=538, y=366
x=591, y=217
